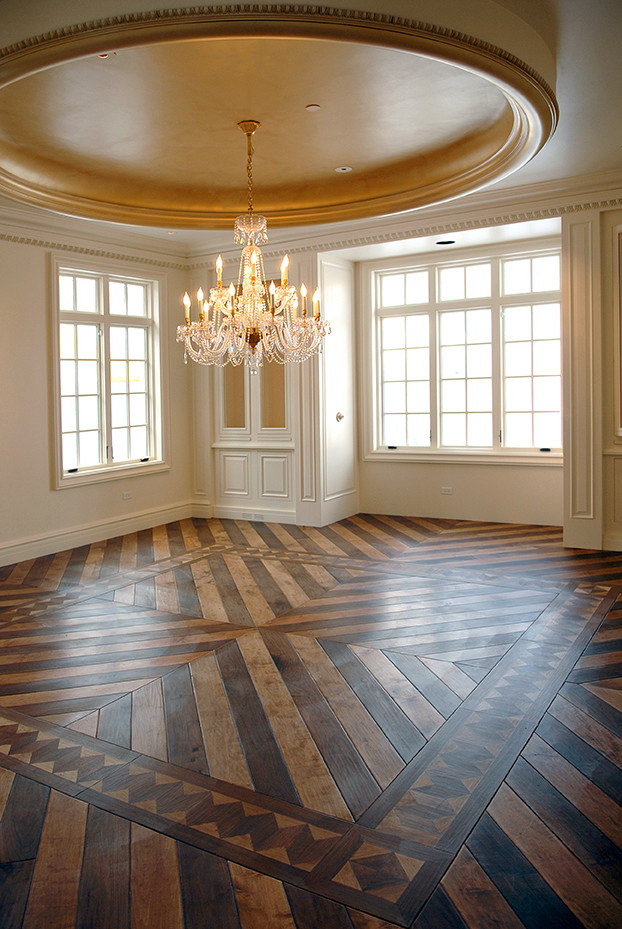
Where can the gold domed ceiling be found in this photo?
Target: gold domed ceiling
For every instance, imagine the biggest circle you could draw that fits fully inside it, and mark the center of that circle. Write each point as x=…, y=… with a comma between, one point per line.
x=136, y=120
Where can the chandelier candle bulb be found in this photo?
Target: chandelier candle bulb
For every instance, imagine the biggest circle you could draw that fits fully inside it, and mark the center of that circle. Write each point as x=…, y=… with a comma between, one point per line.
x=316, y=304
x=252, y=322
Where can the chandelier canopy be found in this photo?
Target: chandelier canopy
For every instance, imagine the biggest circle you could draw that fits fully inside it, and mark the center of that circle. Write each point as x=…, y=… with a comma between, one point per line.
x=252, y=321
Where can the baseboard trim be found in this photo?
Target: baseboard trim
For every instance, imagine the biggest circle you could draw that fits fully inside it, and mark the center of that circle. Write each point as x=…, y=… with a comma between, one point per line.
x=52, y=542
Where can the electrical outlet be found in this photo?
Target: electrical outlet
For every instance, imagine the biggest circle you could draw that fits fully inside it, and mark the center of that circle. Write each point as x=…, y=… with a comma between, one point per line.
x=126, y=495
x=447, y=490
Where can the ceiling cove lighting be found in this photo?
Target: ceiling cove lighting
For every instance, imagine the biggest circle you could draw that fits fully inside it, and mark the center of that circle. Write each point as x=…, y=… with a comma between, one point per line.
x=251, y=322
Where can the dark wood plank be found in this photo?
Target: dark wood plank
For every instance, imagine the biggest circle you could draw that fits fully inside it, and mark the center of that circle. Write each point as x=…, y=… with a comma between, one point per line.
x=311, y=911
x=439, y=913
x=22, y=820
x=115, y=722
x=268, y=536
x=582, y=756
x=534, y=902
x=232, y=601
x=206, y=889
x=268, y=587
x=104, y=894
x=144, y=548
x=112, y=557
x=592, y=705
x=183, y=728
x=175, y=536
x=263, y=756
x=15, y=881
x=358, y=787
x=187, y=596
x=402, y=734
x=588, y=843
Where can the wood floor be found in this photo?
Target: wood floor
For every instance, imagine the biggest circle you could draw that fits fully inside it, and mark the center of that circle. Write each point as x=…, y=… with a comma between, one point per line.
x=385, y=722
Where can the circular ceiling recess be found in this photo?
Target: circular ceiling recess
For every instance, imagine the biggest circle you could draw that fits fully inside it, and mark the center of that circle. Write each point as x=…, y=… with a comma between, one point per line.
x=136, y=120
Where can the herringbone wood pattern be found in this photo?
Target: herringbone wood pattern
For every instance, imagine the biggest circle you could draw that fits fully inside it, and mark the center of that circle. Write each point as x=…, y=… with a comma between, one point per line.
x=385, y=722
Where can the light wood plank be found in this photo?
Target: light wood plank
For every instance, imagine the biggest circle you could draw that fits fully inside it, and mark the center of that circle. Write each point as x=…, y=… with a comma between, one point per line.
x=311, y=777
x=53, y=895
x=207, y=592
x=156, y=901
x=256, y=603
x=148, y=722
x=222, y=744
x=475, y=896
x=261, y=900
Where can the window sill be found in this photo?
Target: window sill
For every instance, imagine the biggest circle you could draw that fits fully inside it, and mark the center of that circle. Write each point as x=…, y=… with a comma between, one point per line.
x=119, y=472
x=537, y=459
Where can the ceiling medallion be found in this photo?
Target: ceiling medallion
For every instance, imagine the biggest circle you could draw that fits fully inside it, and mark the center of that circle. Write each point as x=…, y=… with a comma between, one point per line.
x=251, y=322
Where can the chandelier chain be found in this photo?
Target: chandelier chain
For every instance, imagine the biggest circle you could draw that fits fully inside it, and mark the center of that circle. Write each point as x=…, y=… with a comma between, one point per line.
x=249, y=171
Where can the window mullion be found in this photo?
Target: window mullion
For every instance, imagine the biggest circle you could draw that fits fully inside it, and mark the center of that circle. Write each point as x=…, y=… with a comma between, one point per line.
x=497, y=355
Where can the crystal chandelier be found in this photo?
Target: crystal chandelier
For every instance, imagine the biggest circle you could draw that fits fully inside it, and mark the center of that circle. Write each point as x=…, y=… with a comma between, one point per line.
x=252, y=321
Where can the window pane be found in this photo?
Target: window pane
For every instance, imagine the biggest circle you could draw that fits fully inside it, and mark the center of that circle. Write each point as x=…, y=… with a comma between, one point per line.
x=118, y=410
x=517, y=276
x=545, y=273
x=67, y=340
x=392, y=290
x=417, y=287
x=394, y=430
x=120, y=444
x=417, y=331
x=418, y=364
x=518, y=359
x=118, y=343
x=418, y=397
x=478, y=326
x=453, y=362
x=118, y=377
x=88, y=377
x=69, y=418
x=478, y=281
x=546, y=357
x=451, y=281
x=479, y=429
x=86, y=295
x=87, y=341
x=518, y=394
x=394, y=365
x=88, y=413
x=394, y=397
x=479, y=360
x=393, y=332
x=453, y=429
x=138, y=409
x=547, y=429
x=116, y=298
x=136, y=299
x=138, y=442
x=453, y=399
x=546, y=321
x=136, y=343
x=517, y=323
x=70, y=451
x=65, y=292
x=88, y=443
x=547, y=393
x=68, y=377
x=518, y=430
x=419, y=430
x=452, y=328
x=479, y=395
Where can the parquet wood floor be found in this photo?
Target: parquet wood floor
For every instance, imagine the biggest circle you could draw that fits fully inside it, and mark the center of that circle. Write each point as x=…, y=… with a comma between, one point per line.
x=386, y=722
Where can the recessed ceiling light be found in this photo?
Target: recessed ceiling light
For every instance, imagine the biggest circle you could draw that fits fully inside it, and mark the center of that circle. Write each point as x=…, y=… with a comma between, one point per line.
x=103, y=55
x=343, y=169
x=312, y=107
x=446, y=242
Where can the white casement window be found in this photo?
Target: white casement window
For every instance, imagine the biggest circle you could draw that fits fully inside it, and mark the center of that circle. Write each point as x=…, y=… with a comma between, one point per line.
x=108, y=415
x=466, y=355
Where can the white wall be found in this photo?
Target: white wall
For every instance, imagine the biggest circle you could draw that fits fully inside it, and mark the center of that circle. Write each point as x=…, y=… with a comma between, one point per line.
x=36, y=519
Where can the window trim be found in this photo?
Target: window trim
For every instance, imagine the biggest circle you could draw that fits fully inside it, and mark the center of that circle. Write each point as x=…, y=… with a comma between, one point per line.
x=158, y=373
x=369, y=376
